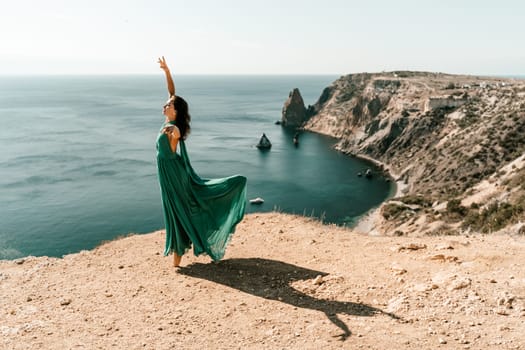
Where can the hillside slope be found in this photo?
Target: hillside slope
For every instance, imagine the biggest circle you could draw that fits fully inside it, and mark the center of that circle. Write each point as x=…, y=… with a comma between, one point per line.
x=445, y=138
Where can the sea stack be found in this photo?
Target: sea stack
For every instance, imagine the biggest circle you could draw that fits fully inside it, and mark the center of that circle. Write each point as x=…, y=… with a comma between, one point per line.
x=294, y=111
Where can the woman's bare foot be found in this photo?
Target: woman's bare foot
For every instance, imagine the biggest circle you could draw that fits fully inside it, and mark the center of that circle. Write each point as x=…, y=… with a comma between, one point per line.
x=176, y=260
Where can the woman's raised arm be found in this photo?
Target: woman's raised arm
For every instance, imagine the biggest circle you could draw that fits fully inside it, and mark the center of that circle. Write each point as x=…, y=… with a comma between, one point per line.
x=169, y=79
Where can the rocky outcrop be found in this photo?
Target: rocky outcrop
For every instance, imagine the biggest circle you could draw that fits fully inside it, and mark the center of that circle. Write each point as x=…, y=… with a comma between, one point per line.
x=440, y=134
x=435, y=102
x=294, y=111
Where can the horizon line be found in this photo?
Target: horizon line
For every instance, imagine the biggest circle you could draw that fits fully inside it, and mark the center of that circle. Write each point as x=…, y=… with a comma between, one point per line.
x=502, y=75
x=174, y=74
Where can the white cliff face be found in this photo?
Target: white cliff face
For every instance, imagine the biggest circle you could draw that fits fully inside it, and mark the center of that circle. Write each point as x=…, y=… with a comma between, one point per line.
x=443, y=134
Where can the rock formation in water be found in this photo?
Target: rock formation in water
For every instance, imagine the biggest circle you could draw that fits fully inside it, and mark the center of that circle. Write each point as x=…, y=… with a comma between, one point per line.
x=456, y=144
x=294, y=111
x=264, y=142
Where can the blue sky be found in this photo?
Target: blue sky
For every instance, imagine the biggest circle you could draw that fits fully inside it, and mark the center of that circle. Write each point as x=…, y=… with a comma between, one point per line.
x=261, y=37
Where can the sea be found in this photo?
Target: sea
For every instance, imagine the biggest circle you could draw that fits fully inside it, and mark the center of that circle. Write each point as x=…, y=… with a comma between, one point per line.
x=78, y=162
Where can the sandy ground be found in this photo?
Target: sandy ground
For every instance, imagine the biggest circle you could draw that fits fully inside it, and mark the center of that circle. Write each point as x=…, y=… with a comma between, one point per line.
x=286, y=282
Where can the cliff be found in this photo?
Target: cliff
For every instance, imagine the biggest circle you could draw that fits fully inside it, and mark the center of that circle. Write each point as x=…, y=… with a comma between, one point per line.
x=455, y=144
x=287, y=282
x=294, y=111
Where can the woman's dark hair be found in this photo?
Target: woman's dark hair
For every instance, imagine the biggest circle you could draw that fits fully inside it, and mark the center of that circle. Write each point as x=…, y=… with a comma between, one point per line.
x=183, y=116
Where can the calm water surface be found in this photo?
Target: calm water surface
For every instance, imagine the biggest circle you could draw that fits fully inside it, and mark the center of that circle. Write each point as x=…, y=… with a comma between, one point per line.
x=77, y=156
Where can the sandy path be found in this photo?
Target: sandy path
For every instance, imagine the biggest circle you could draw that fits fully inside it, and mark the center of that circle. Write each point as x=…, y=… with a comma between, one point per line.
x=286, y=282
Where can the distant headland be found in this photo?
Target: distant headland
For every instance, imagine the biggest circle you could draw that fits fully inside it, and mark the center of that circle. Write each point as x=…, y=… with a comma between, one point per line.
x=454, y=143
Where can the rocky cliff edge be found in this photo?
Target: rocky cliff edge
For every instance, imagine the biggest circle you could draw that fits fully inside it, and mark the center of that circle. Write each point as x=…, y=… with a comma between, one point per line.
x=455, y=144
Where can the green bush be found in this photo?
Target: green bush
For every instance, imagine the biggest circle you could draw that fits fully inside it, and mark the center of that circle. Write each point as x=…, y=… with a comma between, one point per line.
x=392, y=211
x=455, y=209
x=494, y=217
x=416, y=200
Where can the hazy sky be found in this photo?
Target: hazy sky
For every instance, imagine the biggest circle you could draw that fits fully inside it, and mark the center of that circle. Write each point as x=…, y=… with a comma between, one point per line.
x=261, y=37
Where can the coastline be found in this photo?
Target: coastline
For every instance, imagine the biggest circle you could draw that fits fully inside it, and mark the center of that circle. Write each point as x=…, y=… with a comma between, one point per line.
x=368, y=222
x=401, y=187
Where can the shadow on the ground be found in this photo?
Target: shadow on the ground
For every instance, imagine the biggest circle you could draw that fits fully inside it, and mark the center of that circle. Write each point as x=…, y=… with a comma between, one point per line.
x=270, y=279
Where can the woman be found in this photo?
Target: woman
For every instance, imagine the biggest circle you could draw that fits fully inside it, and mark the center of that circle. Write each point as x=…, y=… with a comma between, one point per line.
x=197, y=212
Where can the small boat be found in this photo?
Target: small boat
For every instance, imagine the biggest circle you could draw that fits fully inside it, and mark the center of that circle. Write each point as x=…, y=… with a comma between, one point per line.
x=368, y=173
x=257, y=200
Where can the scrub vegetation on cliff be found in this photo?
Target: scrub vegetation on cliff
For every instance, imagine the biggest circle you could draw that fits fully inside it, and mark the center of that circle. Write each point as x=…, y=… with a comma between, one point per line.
x=456, y=142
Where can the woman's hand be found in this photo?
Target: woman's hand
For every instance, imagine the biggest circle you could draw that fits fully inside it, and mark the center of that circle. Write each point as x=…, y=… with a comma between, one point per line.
x=169, y=80
x=173, y=134
x=171, y=131
x=168, y=130
x=163, y=64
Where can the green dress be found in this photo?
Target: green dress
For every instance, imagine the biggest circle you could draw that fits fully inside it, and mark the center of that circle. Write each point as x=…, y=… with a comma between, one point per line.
x=196, y=211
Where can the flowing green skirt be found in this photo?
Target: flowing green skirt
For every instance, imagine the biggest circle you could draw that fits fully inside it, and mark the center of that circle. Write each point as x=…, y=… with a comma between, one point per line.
x=197, y=211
